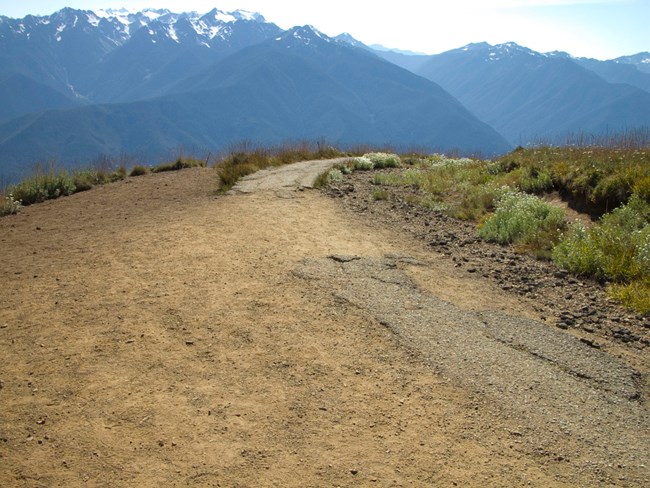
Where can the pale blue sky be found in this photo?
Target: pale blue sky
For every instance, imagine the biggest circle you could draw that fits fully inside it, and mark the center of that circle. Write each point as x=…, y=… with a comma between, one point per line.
x=602, y=29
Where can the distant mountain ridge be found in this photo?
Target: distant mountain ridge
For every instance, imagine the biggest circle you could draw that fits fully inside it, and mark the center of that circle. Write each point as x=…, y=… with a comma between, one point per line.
x=530, y=96
x=296, y=84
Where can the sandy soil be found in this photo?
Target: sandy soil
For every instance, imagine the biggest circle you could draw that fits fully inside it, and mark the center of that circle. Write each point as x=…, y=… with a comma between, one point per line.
x=155, y=334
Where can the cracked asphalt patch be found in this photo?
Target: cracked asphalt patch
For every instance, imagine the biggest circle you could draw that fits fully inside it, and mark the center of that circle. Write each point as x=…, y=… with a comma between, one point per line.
x=572, y=401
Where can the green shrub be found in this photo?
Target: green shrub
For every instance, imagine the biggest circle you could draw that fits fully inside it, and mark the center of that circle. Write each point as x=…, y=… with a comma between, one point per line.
x=380, y=194
x=641, y=188
x=85, y=179
x=475, y=202
x=535, y=180
x=523, y=219
x=47, y=185
x=616, y=248
x=117, y=175
x=384, y=179
x=139, y=171
x=345, y=168
x=178, y=165
x=635, y=295
x=501, y=166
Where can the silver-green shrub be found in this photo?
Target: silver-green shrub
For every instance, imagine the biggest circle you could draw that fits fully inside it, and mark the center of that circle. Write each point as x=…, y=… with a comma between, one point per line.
x=362, y=163
x=334, y=176
x=521, y=218
x=383, y=160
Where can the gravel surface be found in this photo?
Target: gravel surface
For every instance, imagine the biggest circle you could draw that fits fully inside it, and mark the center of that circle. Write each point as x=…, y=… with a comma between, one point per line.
x=574, y=403
x=290, y=177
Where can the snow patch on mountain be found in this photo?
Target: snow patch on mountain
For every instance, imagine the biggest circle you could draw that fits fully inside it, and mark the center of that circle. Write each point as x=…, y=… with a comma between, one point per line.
x=499, y=52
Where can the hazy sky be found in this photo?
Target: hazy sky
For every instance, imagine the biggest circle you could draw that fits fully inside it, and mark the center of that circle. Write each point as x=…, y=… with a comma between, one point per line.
x=602, y=29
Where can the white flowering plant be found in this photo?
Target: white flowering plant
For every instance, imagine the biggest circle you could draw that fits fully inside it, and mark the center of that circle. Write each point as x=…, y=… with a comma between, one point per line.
x=383, y=160
x=10, y=205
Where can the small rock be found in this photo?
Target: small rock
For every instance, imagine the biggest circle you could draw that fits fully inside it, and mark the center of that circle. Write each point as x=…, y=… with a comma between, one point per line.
x=590, y=343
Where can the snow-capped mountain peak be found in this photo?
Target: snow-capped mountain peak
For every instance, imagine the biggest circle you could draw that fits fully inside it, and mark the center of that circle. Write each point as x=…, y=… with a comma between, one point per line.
x=348, y=39
x=119, y=25
x=306, y=35
x=558, y=54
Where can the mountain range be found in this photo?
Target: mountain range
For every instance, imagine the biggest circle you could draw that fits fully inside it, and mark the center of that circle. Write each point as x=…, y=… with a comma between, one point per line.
x=78, y=84
x=529, y=96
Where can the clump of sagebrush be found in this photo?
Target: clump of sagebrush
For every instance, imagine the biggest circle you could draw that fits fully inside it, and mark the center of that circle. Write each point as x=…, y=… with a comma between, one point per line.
x=346, y=168
x=335, y=175
x=383, y=160
x=244, y=160
x=330, y=176
x=180, y=163
x=520, y=218
x=362, y=163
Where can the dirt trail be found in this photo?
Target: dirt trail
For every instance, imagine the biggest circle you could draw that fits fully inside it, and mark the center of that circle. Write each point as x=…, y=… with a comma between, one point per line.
x=154, y=334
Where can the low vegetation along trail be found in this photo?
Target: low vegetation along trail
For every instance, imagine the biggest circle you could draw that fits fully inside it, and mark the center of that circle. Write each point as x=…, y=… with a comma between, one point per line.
x=153, y=333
